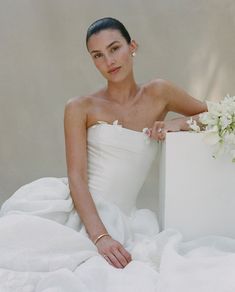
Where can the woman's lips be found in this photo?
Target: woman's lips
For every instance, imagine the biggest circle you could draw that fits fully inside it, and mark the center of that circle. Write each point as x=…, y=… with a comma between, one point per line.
x=114, y=70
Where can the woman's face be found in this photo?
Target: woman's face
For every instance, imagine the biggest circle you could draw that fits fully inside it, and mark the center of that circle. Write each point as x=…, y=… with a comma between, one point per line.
x=109, y=51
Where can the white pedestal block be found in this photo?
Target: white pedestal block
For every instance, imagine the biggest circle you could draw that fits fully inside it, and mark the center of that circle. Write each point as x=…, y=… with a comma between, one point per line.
x=196, y=191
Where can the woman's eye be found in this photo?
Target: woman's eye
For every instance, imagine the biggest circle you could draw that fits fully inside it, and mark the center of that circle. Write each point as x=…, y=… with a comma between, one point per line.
x=97, y=56
x=114, y=49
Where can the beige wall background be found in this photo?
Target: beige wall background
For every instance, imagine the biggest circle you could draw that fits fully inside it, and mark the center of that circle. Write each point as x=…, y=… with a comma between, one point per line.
x=43, y=62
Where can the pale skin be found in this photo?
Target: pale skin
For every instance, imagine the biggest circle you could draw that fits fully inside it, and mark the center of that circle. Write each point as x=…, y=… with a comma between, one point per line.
x=135, y=106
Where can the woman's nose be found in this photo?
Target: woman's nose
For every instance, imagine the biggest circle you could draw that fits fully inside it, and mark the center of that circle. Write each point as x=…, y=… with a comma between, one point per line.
x=110, y=60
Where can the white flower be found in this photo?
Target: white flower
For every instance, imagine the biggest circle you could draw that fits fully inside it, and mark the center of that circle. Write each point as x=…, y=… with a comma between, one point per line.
x=193, y=125
x=229, y=138
x=206, y=118
x=225, y=121
x=214, y=108
x=220, y=125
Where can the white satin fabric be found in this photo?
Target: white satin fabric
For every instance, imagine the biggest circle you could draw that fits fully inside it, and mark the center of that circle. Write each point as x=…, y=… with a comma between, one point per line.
x=44, y=246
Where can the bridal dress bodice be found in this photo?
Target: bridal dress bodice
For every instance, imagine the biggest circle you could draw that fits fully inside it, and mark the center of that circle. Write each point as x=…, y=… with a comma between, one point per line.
x=44, y=246
x=118, y=162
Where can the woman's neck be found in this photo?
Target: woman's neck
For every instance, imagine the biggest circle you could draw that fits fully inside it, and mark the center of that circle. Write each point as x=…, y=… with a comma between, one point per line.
x=122, y=92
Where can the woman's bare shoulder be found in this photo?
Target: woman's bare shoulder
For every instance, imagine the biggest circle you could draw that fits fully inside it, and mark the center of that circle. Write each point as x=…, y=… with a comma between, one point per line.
x=78, y=101
x=79, y=104
x=157, y=88
x=83, y=100
x=157, y=84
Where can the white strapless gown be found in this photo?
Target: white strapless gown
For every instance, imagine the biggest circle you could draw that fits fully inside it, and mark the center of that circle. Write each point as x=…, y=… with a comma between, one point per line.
x=44, y=246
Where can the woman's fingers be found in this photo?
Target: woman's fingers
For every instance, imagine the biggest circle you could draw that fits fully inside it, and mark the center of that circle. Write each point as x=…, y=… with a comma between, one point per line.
x=117, y=260
x=119, y=257
x=125, y=254
x=158, y=127
x=158, y=131
x=108, y=260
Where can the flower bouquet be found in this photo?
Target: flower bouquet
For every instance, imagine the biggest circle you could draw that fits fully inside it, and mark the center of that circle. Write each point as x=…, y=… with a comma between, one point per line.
x=218, y=126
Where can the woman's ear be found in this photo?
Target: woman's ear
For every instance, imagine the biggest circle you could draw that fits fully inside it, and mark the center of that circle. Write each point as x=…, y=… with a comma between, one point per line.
x=133, y=46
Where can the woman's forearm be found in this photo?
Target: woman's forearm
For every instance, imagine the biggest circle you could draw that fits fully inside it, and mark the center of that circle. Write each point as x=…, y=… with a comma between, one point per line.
x=181, y=124
x=86, y=208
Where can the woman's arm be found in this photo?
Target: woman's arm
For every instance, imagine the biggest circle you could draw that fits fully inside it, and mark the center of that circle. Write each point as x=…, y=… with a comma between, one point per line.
x=76, y=158
x=75, y=118
x=179, y=101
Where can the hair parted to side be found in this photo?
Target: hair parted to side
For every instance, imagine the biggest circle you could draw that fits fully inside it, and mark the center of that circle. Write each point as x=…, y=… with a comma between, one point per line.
x=107, y=23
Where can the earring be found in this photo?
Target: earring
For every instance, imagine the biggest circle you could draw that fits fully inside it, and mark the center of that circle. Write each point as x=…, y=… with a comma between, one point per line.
x=133, y=54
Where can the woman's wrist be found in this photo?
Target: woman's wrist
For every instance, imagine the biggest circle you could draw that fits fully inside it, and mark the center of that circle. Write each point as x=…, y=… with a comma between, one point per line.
x=95, y=234
x=181, y=124
x=176, y=125
x=99, y=237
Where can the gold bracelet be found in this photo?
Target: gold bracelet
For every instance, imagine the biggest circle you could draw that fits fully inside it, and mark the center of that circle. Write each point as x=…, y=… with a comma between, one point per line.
x=100, y=236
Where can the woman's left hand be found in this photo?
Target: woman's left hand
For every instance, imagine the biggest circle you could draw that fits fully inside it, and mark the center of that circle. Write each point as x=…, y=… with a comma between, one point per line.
x=160, y=128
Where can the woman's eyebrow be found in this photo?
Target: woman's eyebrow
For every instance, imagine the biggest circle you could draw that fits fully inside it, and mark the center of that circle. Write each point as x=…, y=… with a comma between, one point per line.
x=95, y=51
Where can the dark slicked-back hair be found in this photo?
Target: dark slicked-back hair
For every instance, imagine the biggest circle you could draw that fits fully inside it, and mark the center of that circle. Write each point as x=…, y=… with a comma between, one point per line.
x=107, y=23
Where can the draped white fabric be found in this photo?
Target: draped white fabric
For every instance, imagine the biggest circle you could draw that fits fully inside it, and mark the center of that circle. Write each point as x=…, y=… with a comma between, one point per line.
x=44, y=246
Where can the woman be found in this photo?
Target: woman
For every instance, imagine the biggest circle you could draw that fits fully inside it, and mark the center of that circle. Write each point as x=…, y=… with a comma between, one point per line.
x=134, y=106
x=111, y=139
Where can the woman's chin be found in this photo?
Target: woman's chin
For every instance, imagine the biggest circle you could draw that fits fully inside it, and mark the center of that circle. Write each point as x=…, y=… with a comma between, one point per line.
x=117, y=78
